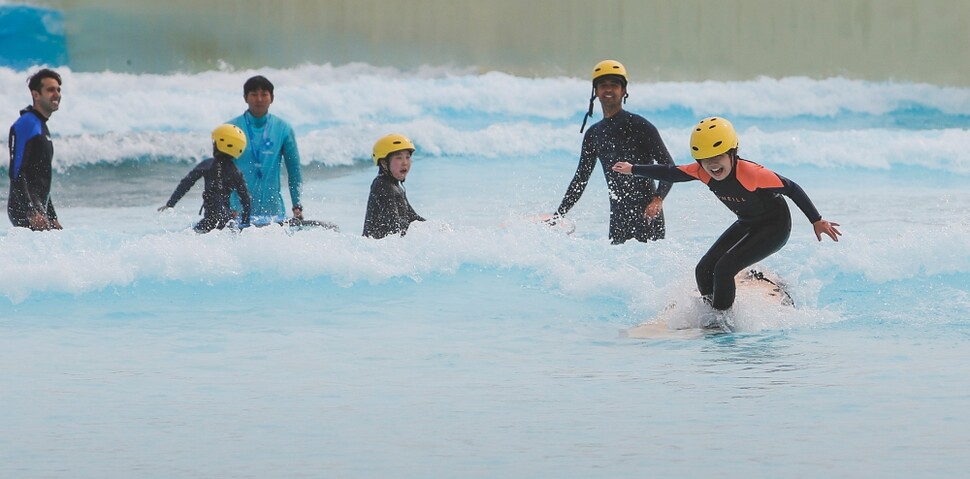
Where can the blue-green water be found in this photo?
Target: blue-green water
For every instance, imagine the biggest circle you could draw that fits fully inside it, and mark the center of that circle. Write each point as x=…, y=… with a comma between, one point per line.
x=481, y=344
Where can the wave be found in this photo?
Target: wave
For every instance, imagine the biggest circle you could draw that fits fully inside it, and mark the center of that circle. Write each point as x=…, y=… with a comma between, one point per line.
x=338, y=111
x=870, y=149
x=82, y=261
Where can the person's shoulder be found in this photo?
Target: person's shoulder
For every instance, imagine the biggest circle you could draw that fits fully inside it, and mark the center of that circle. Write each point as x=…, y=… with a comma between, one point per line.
x=638, y=119
x=28, y=122
x=383, y=183
x=752, y=175
x=595, y=128
x=277, y=120
x=231, y=166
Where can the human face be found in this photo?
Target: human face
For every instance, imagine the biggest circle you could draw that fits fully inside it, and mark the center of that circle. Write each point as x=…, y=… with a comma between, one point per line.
x=259, y=102
x=719, y=167
x=48, y=99
x=399, y=163
x=610, y=92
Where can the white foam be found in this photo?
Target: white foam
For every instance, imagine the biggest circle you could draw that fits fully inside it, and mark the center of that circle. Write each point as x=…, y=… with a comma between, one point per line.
x=339, y=111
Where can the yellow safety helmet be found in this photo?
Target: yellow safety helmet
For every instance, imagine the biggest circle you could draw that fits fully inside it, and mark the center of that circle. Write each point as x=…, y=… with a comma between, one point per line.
x=389, y=144
x=609, y=67
x=712, y=137
x=602, y=69
x=229, y=139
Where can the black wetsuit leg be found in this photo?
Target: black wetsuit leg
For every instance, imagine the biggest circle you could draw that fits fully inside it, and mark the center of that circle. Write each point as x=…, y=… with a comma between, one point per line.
x=627, y=222
x=738, y=247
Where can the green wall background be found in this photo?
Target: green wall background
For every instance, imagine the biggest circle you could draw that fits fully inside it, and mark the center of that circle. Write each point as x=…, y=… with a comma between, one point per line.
x=881, y=40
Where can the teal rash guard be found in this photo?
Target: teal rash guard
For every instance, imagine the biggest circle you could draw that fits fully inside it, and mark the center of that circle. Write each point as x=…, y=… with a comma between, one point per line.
x=270, y=142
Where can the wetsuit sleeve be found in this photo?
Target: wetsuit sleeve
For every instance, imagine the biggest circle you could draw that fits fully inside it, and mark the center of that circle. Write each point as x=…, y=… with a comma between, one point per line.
x=587, y=161
x=797, y=194
x=186, y=184
x=291, y=157
x=657, y=150
x=28, y=180
x=413, y=215
x=664, y=173
x=379, y=219
x=244, y=197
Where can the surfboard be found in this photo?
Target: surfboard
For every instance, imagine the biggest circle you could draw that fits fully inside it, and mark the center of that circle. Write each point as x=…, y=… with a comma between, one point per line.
x=560, y=223
x=300, y=225
x=667, y=324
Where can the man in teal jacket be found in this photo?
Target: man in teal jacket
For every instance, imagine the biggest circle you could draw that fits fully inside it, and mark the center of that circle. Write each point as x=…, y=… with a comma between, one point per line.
x=271, y=143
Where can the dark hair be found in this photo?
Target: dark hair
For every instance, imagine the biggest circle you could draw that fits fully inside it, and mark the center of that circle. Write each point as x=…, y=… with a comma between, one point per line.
x=33, y=83
x=257, y=82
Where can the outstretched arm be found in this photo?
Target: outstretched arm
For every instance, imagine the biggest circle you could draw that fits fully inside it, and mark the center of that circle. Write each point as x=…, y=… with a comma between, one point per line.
x=186, y=184
x=587, y=161
x=667, y=173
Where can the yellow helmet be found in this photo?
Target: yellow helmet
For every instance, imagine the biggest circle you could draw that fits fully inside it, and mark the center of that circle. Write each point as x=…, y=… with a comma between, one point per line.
x=229, y=139
x=389, y=144
x=602, y=69
x=609, y=67
x=712, y=137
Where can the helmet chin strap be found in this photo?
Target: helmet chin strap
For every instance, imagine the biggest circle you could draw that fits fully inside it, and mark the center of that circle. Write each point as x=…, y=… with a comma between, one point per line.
x=592, y=98
x=589, y=114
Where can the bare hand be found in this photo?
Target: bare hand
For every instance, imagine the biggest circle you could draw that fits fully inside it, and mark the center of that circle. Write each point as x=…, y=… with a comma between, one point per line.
x=38, y=221
x=623, y=167
x=654, y=208
x=827, y=227
x=162, y=208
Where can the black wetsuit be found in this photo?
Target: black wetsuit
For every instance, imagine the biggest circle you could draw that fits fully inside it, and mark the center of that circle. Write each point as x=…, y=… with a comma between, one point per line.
x=222, y=177
x=631, y=138
x=752, y=192
x=388, y=210
x=31, y=153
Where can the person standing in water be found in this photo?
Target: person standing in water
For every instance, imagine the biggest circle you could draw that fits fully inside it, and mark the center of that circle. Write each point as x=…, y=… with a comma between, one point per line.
x=272, y=143
x=222, y=178
x=751, y=191
x=636, y=204
x=388, y=209
x=29, y=203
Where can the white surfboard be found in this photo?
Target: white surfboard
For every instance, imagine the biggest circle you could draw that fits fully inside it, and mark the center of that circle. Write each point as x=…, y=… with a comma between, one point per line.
x=667, y=323
x=561, y=224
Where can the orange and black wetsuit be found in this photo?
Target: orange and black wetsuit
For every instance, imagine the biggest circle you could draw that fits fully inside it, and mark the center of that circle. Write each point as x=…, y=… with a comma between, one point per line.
x=752, y=192
x=631, y=138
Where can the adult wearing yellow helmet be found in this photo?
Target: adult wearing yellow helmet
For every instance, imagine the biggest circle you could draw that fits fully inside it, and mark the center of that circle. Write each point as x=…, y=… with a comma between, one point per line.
x=751, y=191
x=636, y=204
x=388, y=209
x=222, y=178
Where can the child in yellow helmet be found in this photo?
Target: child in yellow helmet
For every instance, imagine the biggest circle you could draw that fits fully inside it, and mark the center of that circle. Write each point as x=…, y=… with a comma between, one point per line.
x=751, y=191
x=388, y=209
x=222, y=177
